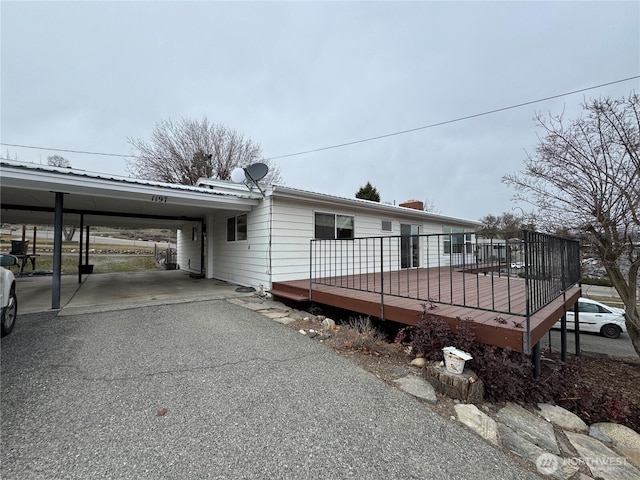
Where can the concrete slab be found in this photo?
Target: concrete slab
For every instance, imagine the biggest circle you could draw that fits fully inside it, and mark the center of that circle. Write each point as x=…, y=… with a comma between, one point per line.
x=115, y=291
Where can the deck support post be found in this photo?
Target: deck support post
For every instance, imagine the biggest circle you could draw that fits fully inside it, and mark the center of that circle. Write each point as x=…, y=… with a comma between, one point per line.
x=563, y=338
x=536, y=360
x=576, y=327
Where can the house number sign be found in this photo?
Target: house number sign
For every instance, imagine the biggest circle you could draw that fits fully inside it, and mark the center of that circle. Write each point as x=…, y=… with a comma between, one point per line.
x=159, y=198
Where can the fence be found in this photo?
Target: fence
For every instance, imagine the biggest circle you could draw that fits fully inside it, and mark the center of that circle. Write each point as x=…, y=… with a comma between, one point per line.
x=451, y=268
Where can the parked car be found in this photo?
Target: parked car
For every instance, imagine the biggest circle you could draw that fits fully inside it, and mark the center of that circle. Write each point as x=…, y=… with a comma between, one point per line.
x=598, y=318
x=8, y=298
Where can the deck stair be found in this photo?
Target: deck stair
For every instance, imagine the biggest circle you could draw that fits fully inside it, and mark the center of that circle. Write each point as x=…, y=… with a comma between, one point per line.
x=290, y=292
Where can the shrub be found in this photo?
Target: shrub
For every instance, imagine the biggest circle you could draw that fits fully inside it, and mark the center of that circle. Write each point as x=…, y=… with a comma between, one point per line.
x=508, y=375
x=429, y=337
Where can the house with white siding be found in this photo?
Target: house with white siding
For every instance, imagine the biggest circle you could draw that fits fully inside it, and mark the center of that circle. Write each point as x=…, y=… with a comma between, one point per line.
x=272, y=241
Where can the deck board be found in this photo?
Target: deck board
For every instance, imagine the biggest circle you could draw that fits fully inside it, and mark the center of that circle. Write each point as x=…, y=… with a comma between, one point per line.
x=485, y=299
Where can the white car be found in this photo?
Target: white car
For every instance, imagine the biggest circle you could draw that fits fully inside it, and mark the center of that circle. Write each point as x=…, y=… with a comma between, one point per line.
x=8, y=298
x=598, y=318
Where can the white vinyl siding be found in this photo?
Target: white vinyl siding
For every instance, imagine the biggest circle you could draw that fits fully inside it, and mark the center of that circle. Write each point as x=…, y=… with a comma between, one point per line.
x=242, y=262
x=188, y=257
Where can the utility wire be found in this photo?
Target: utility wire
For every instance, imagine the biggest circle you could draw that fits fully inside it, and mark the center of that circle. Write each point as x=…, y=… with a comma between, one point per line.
x=370, y=139
x=459, y=119
x=65, y=150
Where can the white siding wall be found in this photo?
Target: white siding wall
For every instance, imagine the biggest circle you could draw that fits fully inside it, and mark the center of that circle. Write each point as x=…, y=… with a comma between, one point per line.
x=293, y=228
x=243, y=262
x=188, y=245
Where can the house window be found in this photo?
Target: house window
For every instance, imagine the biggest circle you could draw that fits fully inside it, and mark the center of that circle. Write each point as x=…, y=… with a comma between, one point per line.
x=456, y=241
x=194, y=233
x=237, y=228
x=329, y=226
x=386, y=226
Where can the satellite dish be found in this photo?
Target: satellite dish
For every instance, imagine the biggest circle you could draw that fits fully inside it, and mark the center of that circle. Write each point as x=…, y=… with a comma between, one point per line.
x=250, y=175
x=256, y=172
x=238, y=176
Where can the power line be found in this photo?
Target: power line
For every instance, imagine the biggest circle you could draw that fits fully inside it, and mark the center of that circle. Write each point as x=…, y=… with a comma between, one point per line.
x=370, y=139
x=66, y=150
x=459, y=119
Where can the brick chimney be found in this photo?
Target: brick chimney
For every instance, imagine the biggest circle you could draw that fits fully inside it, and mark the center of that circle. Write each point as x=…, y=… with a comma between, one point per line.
x=415, y=204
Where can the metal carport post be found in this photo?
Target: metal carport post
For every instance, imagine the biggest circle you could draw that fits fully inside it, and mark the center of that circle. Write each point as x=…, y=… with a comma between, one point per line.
x=57, y=252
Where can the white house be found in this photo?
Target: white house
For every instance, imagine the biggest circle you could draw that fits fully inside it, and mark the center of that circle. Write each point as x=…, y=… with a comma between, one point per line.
x=271, y=242
x=247, y=236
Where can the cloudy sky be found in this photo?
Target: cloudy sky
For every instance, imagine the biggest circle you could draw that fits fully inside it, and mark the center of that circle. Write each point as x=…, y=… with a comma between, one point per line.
x=296, y=76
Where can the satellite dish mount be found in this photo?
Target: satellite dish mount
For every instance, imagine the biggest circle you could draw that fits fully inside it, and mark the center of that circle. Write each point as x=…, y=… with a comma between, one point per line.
x=250, y=175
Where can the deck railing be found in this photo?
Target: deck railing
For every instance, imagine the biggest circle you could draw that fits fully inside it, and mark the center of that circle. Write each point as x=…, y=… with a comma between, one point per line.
x=452, y=268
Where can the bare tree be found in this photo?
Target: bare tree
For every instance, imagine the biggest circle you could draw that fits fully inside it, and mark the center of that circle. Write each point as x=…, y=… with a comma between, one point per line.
x=503, y=226
x=187, y=150
x=585, y=174
x=58, y=161
x=430, y=206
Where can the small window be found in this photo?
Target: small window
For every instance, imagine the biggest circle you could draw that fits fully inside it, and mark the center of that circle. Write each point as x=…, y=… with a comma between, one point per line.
x=237, y=228
x=387, y=226
x=329, y=226
x=194, y=233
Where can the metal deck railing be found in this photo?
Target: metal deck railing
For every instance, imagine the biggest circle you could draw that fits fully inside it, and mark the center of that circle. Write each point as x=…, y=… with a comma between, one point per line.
x=462, y=269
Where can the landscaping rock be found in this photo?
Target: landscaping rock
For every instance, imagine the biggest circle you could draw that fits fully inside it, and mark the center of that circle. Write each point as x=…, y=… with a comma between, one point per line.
x=418, y=362
x=601, y=460
x=464, y=386
x=547, y=463
x=478, y=421
x=285, y=320
x=596, y=433
x=417, y=387
x=327, y=322
x=625, y=440
x=400, y=372
x=529, y=426
x=561, y=417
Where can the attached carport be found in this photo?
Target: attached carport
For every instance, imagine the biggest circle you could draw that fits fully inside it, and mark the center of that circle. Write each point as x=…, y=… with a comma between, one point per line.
x=43, y=195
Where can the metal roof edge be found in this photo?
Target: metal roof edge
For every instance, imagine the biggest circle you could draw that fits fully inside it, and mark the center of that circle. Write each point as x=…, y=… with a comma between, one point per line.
x=294, y=193
x=83, y=174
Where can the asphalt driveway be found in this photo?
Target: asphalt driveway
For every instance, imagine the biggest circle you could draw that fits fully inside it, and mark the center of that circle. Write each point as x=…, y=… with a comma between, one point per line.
x=245, y=397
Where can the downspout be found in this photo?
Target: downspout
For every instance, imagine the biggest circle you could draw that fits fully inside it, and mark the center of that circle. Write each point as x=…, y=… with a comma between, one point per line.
x=270, y=244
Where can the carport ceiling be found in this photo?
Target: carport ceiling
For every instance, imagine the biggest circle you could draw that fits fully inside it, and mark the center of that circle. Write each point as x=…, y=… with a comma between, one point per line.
x=27, y=195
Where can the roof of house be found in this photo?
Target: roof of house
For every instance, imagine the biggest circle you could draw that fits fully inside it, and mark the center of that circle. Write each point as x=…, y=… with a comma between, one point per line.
x=112, y=187
x=382, y=208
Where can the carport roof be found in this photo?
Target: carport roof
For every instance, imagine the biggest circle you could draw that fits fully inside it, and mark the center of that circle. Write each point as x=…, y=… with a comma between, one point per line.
x=27, y=195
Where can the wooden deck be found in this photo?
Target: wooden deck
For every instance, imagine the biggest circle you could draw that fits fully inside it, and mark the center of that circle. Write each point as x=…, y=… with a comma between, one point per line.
x=484, y=299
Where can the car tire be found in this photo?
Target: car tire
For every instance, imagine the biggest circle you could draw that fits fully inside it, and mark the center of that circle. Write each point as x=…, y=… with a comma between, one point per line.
x=610, y=331
x=9, y=313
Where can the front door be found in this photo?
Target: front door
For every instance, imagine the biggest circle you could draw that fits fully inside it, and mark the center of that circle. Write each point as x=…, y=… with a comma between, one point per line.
x=409, y=246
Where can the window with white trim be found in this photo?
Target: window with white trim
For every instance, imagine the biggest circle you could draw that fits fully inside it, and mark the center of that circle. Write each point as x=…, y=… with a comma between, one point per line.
x=387, y=226
x=329, y=226
x=457, y=241
x=237, y=228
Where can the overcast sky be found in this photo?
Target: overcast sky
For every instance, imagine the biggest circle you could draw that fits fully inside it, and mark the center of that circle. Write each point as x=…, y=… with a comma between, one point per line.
x=299, y=76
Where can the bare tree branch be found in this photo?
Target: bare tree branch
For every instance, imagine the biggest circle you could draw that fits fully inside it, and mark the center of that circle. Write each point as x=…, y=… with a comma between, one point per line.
x=184, y=151
x=586, y=175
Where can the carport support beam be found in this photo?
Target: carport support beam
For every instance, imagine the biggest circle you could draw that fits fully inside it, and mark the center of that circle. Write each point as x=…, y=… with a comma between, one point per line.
x=57, y=252
x=80, y=249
